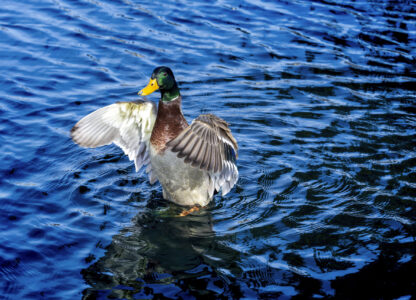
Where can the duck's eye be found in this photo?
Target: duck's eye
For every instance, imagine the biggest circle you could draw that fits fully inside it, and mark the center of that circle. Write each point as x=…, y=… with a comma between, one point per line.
x=165, y=74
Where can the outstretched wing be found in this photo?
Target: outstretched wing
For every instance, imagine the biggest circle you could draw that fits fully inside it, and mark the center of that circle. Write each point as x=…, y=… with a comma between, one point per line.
x=209, y=145
x=129, y=125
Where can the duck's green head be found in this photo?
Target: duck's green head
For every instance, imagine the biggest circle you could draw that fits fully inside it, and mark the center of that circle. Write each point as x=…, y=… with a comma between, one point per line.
x=162, y=79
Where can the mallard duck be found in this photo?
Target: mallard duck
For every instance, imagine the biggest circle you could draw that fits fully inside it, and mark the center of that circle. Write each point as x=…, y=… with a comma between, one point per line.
x=191, y=162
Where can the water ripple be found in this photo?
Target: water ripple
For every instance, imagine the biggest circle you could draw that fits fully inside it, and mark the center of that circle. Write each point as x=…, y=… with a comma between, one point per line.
x=320, y=96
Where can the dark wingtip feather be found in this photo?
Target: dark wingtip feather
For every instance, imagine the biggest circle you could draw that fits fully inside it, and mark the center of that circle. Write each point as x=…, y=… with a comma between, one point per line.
x=173, y=149
x=73, y=129
x=180, y=154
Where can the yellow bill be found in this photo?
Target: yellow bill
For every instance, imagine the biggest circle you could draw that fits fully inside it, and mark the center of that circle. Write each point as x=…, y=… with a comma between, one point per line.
x=150, y=88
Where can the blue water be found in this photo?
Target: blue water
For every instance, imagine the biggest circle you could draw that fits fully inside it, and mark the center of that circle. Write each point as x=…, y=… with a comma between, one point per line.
x=320, y=96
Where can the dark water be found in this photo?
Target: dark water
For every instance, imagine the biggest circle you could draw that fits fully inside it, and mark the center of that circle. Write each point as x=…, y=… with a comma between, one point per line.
x=320, y=96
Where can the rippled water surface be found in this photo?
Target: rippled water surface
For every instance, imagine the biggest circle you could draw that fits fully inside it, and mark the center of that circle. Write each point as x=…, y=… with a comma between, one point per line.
x=320, y=96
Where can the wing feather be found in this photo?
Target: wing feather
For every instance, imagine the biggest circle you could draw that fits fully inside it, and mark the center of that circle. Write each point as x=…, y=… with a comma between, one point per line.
x=207, y=159
x=189, y=145
x=211, y=161
x=181, y=141
x=195, y=152
x=127, y=124
x=199, y=160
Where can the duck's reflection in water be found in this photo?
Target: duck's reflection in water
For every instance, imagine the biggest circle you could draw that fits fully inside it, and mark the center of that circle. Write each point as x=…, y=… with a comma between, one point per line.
x=158, y=254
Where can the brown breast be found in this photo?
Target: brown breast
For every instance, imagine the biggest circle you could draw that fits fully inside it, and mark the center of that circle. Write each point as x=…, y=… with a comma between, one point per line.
x=169, y=123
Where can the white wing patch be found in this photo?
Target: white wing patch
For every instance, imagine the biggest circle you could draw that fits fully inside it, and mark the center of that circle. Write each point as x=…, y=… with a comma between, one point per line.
x=224, y=180
x=129, y=125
